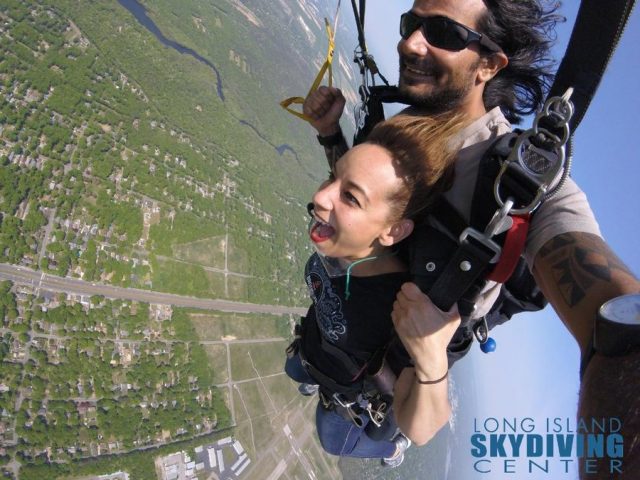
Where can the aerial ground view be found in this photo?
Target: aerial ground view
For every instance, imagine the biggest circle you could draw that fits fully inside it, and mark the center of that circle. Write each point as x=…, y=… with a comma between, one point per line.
x=151, y=250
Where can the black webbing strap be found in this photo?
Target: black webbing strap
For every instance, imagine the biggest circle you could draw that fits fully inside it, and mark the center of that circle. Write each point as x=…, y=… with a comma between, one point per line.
x=358, y=13
x=355, y=368
x=599, y=26
x=469, y=261
x=463, y=277
x=328, y=383
x=375, y=96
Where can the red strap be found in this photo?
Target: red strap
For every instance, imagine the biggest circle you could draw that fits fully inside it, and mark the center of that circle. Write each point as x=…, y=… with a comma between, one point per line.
x=512, y=249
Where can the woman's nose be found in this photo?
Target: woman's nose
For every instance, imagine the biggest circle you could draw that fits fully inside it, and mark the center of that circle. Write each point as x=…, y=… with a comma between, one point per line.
x=323, y=198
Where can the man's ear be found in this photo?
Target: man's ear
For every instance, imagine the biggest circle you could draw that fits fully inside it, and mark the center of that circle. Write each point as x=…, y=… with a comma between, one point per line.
x=397, y=232
x=491, y=65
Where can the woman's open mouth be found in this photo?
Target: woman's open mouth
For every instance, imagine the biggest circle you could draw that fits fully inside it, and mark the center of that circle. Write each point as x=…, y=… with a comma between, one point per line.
x=320, y=231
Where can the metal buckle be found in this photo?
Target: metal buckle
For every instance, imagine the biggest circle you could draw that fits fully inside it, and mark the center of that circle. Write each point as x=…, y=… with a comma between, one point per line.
x=481, y=330
x=501, y=221
x=523, y=143
x=483, y=239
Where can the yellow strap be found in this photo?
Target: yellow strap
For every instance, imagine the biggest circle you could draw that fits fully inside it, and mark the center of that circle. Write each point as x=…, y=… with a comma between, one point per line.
x=326, y=66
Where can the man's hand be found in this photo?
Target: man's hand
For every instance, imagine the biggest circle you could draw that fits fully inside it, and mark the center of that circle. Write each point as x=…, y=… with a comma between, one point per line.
x=424, y=330
x=324, y=107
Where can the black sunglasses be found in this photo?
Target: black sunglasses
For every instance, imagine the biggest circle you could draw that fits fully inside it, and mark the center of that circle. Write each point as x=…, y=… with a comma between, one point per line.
x=442, y=32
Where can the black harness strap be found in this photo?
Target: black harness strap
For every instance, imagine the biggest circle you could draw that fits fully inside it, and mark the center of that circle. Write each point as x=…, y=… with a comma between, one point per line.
x=469, y=261
x=355, y=366
x=358, y=13
x=598, y=28
x=464, y=275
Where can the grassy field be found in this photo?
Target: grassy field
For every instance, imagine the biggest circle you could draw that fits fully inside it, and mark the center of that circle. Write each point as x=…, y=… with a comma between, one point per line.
x=180, y=278
x=217, y=287
x=237, y=287
x=209, y=252
x=217, y=355
x=252, y=360
x=214, y=326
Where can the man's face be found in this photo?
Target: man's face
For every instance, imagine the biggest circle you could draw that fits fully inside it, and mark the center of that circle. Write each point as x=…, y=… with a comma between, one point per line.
x=436, y=79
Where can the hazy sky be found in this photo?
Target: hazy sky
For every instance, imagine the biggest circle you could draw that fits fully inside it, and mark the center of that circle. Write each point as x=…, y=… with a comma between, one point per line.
x=534, y=371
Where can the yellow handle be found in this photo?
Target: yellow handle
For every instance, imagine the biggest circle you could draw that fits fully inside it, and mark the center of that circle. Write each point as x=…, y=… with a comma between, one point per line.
x=326, y=66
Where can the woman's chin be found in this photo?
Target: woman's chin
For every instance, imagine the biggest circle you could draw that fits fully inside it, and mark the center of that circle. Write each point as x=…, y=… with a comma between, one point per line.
x=328, y=249
x=323, y=248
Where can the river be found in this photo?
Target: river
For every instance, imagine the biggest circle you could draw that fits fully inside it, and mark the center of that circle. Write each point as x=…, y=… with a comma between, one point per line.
x=140, y=13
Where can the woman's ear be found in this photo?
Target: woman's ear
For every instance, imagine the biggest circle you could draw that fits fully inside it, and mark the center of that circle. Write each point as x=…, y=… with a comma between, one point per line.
x=397, y=232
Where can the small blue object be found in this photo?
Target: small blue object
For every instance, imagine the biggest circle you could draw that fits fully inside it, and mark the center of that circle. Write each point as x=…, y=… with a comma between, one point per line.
x=488, y=346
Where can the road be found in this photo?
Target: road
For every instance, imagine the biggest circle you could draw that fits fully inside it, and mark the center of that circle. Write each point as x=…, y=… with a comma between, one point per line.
x=45, y=281
x=47, y=233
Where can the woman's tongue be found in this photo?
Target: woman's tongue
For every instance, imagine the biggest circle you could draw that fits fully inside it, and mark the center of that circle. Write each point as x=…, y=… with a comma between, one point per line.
x=321, y=232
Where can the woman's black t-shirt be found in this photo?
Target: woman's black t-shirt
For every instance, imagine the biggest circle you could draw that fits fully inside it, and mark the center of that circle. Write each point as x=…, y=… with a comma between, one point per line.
x=359, y=326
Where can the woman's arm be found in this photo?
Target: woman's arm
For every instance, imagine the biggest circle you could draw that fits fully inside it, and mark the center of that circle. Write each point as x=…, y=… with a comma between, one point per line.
x=421, y=402
x=420, y=410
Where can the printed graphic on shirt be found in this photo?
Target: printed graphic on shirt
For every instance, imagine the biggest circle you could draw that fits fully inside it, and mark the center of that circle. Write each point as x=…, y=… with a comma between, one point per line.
x=327, y=302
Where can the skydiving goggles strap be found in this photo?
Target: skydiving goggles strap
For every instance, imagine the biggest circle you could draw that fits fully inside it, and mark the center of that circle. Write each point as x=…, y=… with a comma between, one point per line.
x=326, y=67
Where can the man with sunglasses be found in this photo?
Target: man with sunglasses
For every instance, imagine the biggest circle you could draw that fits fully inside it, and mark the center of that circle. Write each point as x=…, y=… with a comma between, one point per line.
x=491, y=61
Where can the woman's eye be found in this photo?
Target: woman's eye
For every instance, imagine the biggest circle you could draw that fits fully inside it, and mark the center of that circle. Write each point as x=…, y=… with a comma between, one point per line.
x=350, y=198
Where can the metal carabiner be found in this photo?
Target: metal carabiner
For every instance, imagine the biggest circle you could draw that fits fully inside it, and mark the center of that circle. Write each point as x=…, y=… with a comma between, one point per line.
x=481, y=330
x=524, y=147
x=501, y=221
x=542, y=164
x=343, y=403
x=378, y=415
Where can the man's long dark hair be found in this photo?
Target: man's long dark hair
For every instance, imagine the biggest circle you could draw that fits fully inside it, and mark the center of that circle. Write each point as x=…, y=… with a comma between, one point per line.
x=525, y=29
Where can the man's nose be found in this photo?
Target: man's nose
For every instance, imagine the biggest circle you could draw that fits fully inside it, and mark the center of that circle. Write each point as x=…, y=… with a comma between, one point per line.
x=415, y=45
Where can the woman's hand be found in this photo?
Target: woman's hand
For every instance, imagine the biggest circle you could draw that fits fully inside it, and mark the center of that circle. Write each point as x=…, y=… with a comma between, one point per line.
x=424, y=330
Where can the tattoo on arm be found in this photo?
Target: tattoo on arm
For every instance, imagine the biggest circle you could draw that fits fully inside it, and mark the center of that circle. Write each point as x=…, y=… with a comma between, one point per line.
x=578, y=261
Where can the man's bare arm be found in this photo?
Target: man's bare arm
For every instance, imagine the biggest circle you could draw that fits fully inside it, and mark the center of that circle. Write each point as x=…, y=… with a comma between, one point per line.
x=578, y=272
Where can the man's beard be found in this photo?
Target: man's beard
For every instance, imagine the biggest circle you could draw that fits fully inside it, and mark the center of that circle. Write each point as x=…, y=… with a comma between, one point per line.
x=440, y=100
